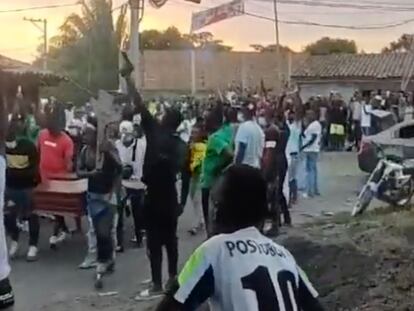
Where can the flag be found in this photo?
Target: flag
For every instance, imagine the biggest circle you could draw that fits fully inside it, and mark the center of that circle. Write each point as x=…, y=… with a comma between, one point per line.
x=217, y=14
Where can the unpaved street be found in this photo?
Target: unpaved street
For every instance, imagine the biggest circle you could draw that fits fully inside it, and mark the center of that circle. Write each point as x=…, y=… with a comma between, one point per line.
x=55, y=283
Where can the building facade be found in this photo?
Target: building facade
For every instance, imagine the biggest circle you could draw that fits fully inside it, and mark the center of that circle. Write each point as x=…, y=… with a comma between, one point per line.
x=346, y=73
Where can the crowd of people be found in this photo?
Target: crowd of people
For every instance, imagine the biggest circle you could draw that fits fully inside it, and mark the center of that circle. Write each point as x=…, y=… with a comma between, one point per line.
x=240, y=163
x=344, y=123
x=207, y=146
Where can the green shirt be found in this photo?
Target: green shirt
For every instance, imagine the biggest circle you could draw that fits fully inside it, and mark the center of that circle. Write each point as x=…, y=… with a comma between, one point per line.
x=32, y=129
x=215, y=160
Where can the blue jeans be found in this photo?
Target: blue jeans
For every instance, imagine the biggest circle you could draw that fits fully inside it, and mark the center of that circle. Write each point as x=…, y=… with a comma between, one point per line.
x=311, y=161
x=102, y=215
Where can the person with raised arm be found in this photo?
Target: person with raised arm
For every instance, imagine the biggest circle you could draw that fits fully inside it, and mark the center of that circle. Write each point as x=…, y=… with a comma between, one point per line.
x=164, y=159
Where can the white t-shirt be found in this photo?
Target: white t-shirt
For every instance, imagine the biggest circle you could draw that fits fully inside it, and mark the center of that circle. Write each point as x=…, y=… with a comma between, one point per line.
x=356, y=111
x=243, y=271
x=294, y=138
x=366, y=117
x=252, y=135
x=184, y=129
x=314, y=128
x=126, y=156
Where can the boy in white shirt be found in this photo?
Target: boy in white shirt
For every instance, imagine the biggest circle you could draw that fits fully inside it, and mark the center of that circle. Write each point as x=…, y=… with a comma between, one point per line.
x=241, y=269
x=311, y=148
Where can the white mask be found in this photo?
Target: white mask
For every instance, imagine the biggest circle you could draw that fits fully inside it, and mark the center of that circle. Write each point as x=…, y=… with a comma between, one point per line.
x=240, y=117
x=262, y=121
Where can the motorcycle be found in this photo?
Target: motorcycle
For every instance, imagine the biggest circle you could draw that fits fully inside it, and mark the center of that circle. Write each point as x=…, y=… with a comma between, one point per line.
x=391, y=182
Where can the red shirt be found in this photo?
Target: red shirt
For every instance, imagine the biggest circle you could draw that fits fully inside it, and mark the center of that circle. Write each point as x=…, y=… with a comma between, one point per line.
x=55, y=153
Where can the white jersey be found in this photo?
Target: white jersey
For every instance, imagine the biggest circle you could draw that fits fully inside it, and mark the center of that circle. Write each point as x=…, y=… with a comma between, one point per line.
x=250, y=134
x=243, y=271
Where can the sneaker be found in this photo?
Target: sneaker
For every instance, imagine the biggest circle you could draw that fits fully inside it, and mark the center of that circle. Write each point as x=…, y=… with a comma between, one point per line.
x=32, y=253
x=305, y=196
x=6, y=294
x=150, y=294
x=105, y=267
x=62, y=237
x=146, y=282
x=172, y=285
x=14, y=247
x=119, y=249
x=53, y=241
x=89, y=262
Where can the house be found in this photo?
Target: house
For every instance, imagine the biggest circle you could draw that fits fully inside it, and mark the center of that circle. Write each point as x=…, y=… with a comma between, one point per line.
x=14, y=73
x=345, y=73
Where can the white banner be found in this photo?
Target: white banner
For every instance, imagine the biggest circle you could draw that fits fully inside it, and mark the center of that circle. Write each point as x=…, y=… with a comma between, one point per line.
x=217, y=14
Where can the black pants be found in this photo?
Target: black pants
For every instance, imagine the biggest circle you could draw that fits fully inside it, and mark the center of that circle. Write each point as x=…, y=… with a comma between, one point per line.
x=22, y=199
x=185, y=186
x=137, y=209
x=60, y=225
x=103, y=224
x=162, y=232
x=281, y=175
x=10, y=221
x=120, y=227
x=205, y=202
x=357, y=132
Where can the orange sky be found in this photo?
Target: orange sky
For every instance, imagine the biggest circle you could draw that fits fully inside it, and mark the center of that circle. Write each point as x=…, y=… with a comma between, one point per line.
x=19, y=39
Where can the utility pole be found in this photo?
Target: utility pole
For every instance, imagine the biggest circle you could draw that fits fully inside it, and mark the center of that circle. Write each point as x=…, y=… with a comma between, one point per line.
x=43, y=29
x=278, y=61
x=137, y=13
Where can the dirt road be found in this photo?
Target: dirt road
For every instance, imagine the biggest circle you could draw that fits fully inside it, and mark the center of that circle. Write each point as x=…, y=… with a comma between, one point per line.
x=55, y=284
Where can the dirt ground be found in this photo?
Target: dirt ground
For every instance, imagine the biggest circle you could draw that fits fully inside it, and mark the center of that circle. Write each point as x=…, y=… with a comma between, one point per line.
x=356, y=264
x=360, y=264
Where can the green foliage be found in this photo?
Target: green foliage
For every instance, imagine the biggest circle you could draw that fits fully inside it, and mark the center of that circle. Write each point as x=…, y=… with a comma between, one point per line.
x=326, y=46
x=173, y=39
x=86, y=51
x=403, y=44
x=269, y=48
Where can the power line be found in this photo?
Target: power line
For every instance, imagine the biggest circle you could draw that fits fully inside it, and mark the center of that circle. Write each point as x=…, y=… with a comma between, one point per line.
x=265, y=6
x=53, y=6
x=315, y=24
x=347, y=5
x=362, y=27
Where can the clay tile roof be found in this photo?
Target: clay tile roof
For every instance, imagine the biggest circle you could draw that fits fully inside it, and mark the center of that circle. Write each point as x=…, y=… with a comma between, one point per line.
x=368, y=66
x=19, y=68
x=8, y=63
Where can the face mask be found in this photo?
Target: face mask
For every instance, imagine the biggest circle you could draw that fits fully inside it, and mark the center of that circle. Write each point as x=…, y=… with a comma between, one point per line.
x=240, y=117
x=11, y=144
x=127, y=139
x=262, y=121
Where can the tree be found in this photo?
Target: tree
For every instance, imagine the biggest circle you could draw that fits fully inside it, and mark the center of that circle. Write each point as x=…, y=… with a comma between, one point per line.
x=86, y=50
x=173, y=39
x=328, y=45
x=403, y=44
x=269, y=48
x=206, y=41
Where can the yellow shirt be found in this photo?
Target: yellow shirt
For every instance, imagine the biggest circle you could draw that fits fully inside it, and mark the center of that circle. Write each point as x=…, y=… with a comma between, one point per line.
x=197, y=154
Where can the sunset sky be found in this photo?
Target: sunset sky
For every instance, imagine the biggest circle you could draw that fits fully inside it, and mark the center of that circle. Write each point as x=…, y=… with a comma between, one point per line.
x=19, y=39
